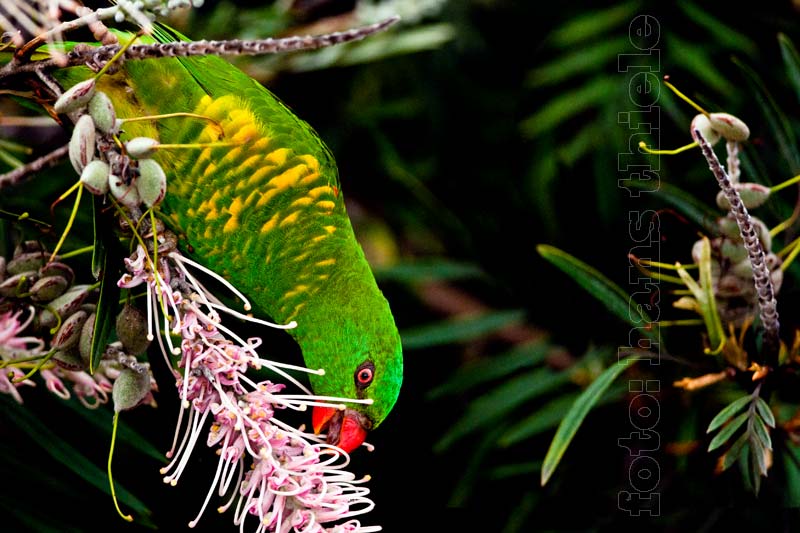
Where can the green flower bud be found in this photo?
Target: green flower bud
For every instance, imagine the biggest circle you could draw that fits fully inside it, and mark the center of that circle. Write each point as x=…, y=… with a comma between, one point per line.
x=132, y=329
x=64, y=305
x=729, y=228
x=56, y=268
x=69, y=359
x=82, y=143
x=141, y=147
x=48, y=288
x=70, y=331
x=102, y=111
x=733, y=251
x=75, y=97
x=152, y=182
x=85, y=341
x=126, y=194
x=18, y=284
x=26, y=262
x=95, y=177
x=130, y=388
x=701, y=122
x=753, y=195
x=729, y=126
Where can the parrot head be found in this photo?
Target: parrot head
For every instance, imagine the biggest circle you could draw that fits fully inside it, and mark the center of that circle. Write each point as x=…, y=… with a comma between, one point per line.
x=363, y=360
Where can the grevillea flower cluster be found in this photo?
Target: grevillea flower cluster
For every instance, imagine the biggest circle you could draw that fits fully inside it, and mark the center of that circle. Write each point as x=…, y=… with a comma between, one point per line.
x=270, y=473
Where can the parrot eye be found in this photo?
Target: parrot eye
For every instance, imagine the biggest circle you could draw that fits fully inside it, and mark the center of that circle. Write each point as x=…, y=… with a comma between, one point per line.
x=364, y=374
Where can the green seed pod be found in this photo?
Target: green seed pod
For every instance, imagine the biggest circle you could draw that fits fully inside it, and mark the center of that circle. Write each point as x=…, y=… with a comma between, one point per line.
x=64, y=305
x=70, y=331
x=763, y=234
x=48, y=288
x=132, y=329
x=82, y=143
x=743, y=269
x=25, y=262
x=18, y=284
x=141, y=147
x=95, y=177
x=130, y=388
x=152, y=182
x=729, y=228
x=753, y=195
x=85, y=341
x=126, y=194
x=701, y=122
x=730, y=286
x=729, y=126
x=69, y=359
x=733, y=251
x=75, y=97
x=56, y=268
x=102, y=111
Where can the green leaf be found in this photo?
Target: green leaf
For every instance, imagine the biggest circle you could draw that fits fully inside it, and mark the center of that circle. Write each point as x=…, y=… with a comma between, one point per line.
x=515, y=469
x=495, y=405
x=734, y=452
x=721, y=33
x=599, y=286
x=463, y=330
x=791, y=469
x=727, y=432
x=100, y=229
x=593, y=24
x=569, y=104
x=698, y=212
x=791, y=59
x=106, y=310
x=776, y=119
x=766, y=413
x=549, y=415
x=728, y=411
x=578, y=62
x=761, y=432
x=695, y=58
x=758, y=460
x=577, y=413
x=492, y=368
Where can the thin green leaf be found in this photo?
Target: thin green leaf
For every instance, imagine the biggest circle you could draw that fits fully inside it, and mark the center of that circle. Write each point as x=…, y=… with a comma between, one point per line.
x=766, y=413
x=599, y=286
x=569, y=104
x=491, y=368
x=758, y=458
x=105, y=313
x=472, y=471
x=496, y=404
x=100, y=228
x=778, y=122
x=464, y=330
x=577, y=413
x=791, y=469
x=734, y=452
x=514, y=470
x=727, y=432
x=592, y=24
x=698, y=212
x=791, y=59
x=760, y=431
x=430, y=270
x=578, y=62
x=549, y=415
x=721, y=33
x=695, y=58
x=64, y=453
x=727, y=412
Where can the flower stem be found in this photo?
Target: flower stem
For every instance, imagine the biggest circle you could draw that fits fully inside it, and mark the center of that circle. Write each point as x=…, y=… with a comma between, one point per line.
x=126, y=517
x=768, y=305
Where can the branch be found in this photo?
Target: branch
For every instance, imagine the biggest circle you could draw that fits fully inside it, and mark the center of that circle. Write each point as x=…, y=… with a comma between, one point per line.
x=18, y=175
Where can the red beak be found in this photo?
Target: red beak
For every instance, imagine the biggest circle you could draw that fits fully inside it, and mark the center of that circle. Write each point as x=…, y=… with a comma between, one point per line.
x=346, y=428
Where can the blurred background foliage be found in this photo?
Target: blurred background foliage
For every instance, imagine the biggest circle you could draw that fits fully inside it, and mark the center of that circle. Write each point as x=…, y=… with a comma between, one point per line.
x=466, y=136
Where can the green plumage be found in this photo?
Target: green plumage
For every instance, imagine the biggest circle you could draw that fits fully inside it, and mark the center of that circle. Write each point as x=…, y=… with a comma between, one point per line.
x=264, y=210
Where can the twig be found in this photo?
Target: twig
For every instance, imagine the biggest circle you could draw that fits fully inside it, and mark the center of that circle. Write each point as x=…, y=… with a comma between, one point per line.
x=768, y=305
x=18, y=175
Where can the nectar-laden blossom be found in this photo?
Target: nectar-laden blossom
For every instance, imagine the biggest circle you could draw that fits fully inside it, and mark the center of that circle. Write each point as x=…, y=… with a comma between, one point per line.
x=15, y=346
x=276, y=477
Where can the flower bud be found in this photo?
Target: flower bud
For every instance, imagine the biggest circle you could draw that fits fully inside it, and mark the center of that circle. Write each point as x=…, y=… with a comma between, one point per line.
x=70, y=331
x=730, y=286
x=141, y=147
x=56, y=268
x=753, y=195
x=743, y=269
x=18, y=284
x=69, y=359
x=75, y=97
x=102, y=111
x=733, y=251
x=85, y=341
x=701, y=122
x=730, y=127
x=763, y=233
x=95, y=177
x=126, y=194
x=82, y=143
x=25, y=262
x=729, y=228
x=132, y=329
x=64, y=305
x=48, y=288
x=152, y=182
x=130, y=388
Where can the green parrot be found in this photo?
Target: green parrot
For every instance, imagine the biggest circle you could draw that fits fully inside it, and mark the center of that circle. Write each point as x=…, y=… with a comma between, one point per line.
x=265, y=211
